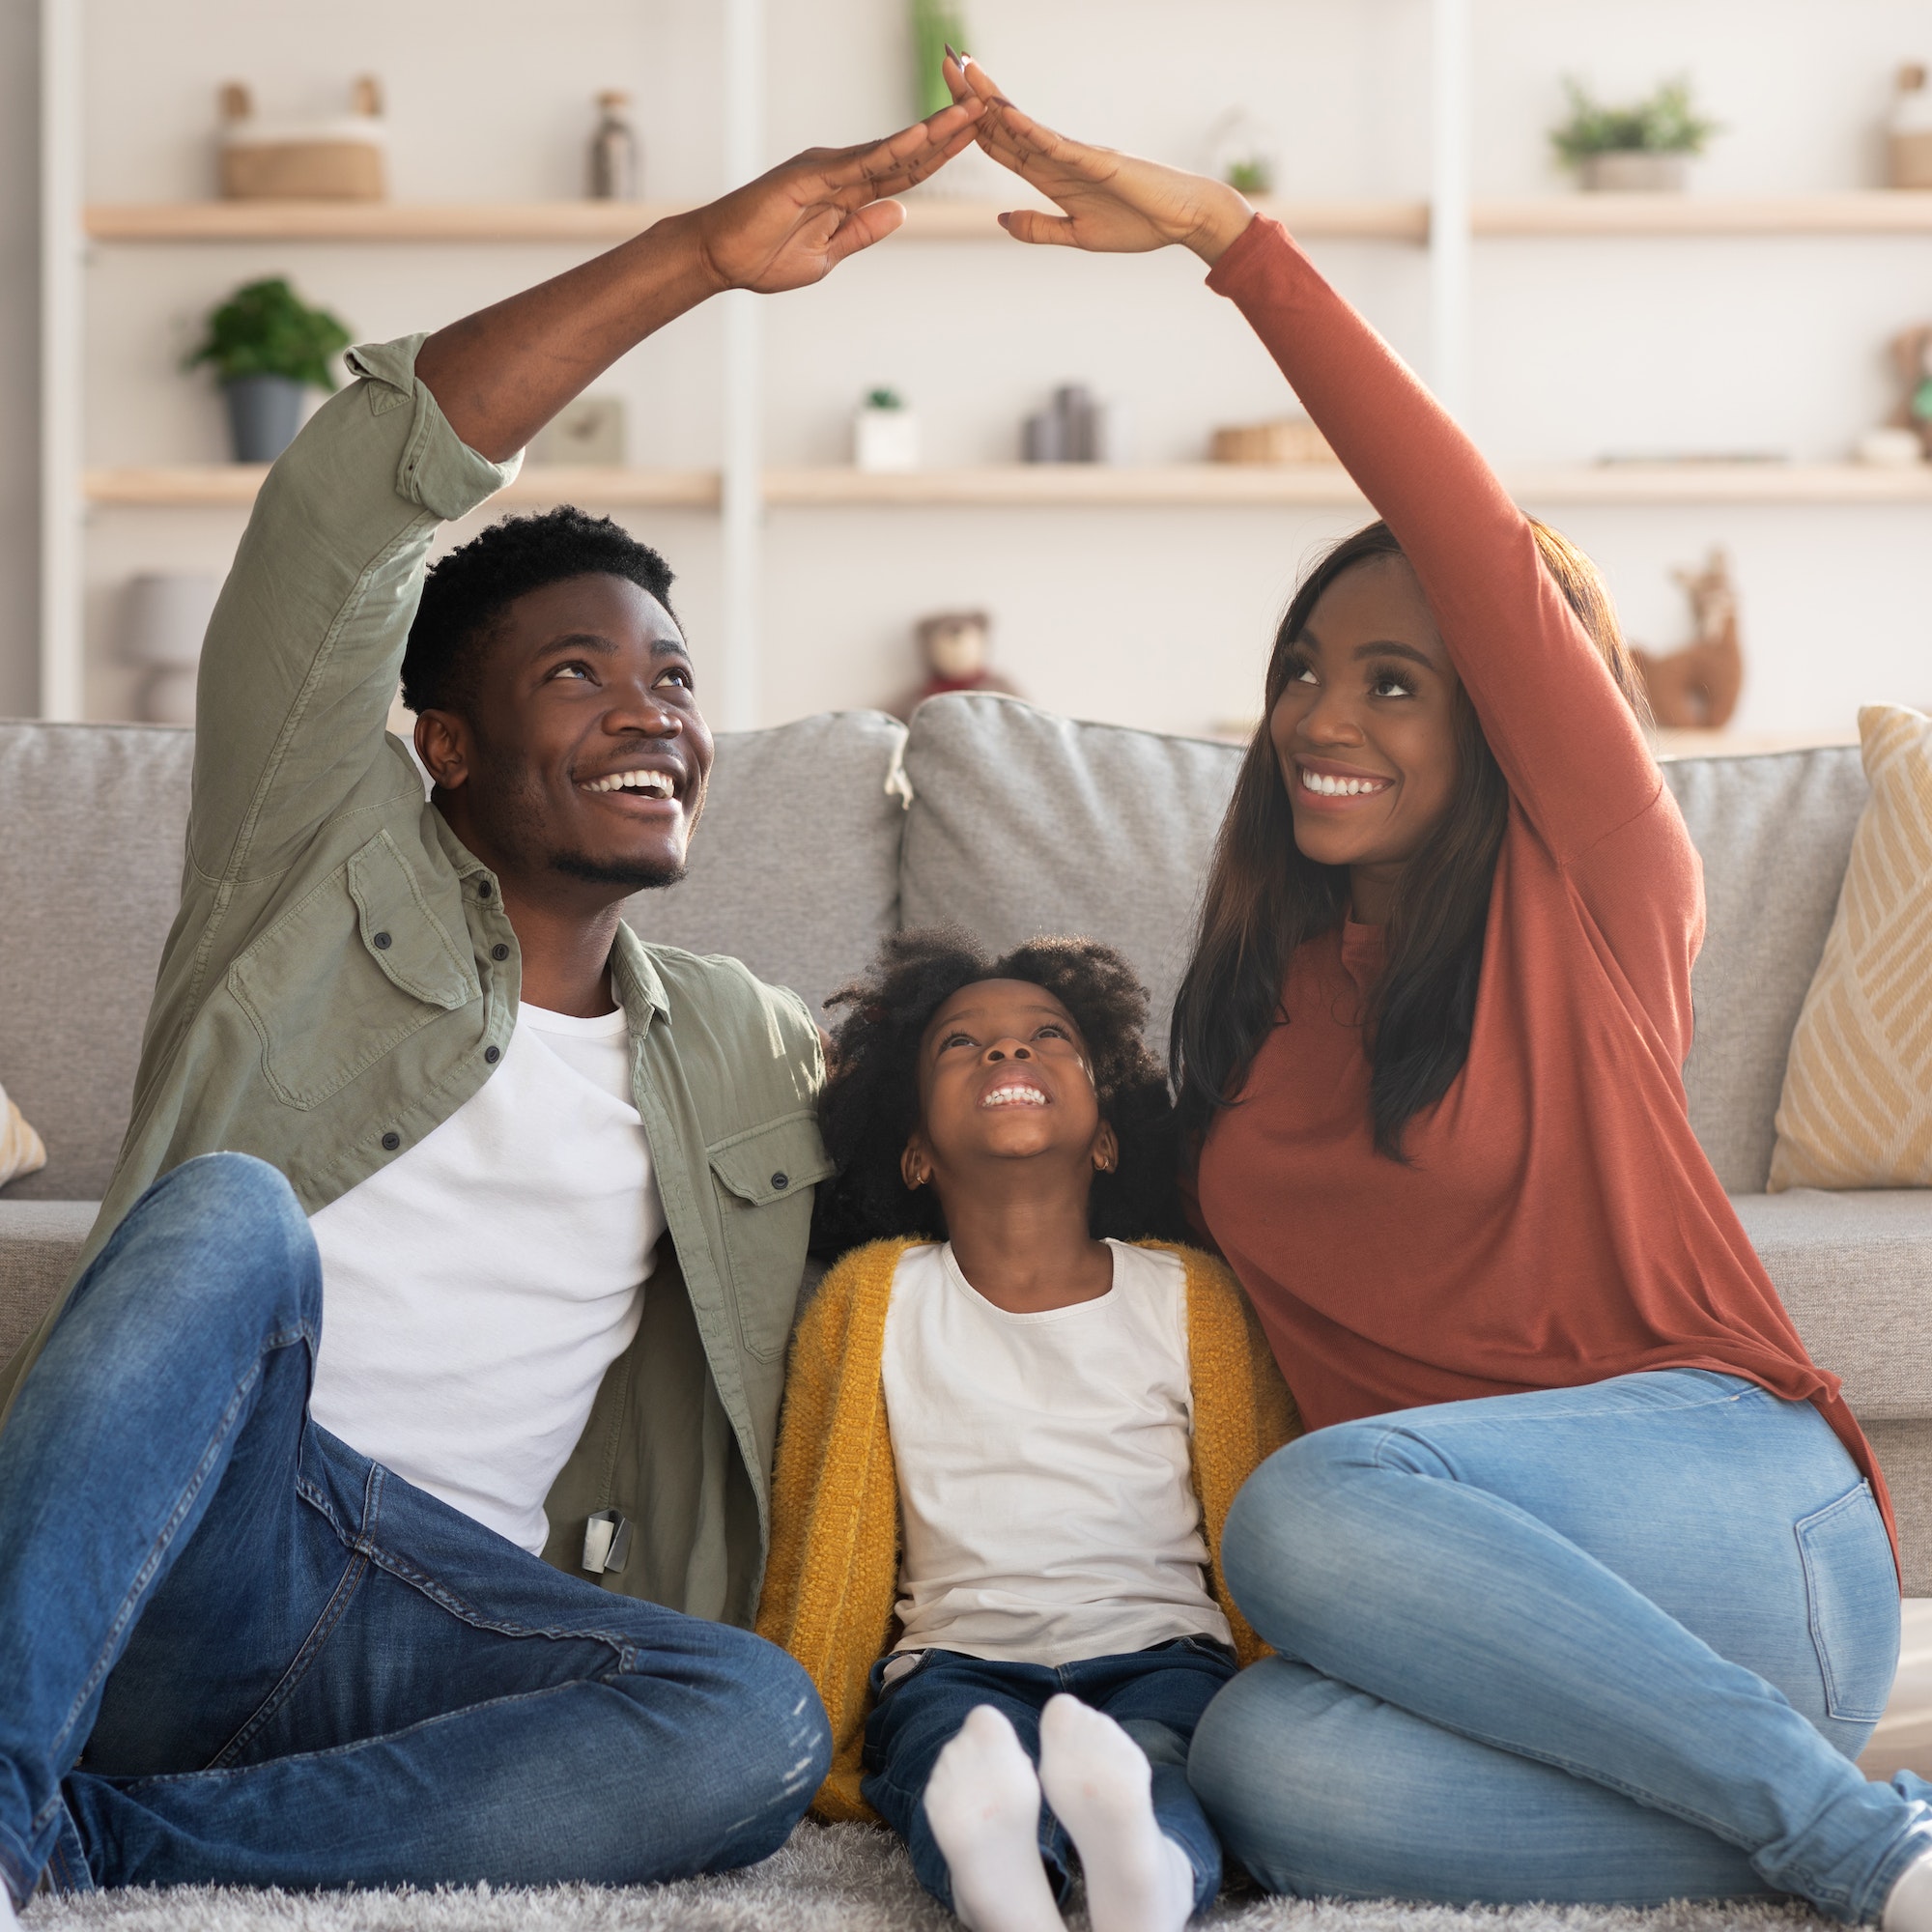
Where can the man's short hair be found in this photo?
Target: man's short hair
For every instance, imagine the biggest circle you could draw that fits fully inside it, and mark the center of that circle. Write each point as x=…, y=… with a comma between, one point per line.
x=465, y=594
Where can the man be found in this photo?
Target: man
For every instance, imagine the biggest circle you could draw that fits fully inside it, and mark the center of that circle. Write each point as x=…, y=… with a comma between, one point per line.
x=522, y=1200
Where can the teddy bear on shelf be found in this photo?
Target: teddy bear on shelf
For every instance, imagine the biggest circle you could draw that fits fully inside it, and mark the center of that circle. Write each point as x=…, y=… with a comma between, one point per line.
x=956, y=648
x=1698, y=688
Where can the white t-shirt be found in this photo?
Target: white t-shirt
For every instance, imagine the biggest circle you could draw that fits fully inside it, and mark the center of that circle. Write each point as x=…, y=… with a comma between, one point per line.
x=1045, y=1466
x=476, y=1289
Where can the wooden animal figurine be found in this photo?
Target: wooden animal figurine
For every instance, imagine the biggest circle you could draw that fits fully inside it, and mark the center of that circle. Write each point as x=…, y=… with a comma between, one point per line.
x=1698, y=688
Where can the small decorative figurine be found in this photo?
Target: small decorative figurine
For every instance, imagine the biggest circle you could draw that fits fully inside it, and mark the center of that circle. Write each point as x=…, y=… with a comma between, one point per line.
x=345, y=159
x=613, y=150
x=1698, y=688
x=588, y=433
x=956, y=648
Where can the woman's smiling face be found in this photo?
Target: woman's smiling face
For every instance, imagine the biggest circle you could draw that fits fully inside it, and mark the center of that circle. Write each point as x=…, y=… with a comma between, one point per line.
x=1364, y=730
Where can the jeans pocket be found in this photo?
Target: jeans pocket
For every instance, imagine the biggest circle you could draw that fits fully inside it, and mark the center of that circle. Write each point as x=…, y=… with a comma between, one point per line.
x=1851, y=1594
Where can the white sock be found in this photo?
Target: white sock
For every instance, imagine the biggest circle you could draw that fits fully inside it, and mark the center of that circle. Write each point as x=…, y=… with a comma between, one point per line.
x=1908, y=1905
x=7, y=1919
x=982, y=1802
x=1098, y=1781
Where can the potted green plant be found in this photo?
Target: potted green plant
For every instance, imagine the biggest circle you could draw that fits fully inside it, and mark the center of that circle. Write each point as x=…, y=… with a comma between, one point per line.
x=266, y=346
x=1642, y=147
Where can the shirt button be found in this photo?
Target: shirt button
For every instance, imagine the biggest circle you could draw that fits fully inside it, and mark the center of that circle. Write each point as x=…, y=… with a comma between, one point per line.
x=780, y=1180
x=382, y=941
x=493, y=1054
x=391, y=1141
x=500, y=950
x=484, y=891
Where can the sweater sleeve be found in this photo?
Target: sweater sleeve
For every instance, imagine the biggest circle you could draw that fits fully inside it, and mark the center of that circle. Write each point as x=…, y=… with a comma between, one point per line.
x=1575, y=758
x=830, y=1578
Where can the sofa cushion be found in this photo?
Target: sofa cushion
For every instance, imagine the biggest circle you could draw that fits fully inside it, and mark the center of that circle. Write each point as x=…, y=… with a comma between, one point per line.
x=1774, y=832
x=39, y=1243
x=1854, y=1269
x=90, y=877
x=795, y=867
x=1857, y=1106
x=1024, y=823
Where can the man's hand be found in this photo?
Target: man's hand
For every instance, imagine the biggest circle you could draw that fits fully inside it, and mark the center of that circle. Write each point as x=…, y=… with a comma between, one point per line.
x=500, y=375
x=793, y=226
x=1114, y=204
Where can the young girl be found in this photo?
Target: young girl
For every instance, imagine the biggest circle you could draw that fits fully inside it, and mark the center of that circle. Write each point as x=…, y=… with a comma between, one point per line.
x=1010, y=1440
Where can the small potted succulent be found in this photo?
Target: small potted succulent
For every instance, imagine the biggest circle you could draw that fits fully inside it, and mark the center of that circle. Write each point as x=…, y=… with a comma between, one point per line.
x=1642, y=147
x=266, y=346
x=885, y=432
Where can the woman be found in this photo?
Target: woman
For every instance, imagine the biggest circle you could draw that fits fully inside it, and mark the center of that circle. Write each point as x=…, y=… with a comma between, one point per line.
x=1581, y=1586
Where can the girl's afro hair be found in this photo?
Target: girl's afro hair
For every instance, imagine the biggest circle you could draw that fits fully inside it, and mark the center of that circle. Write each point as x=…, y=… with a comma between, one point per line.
x=871, y=1102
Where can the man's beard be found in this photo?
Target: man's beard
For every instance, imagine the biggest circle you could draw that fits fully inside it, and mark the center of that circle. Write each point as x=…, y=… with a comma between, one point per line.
x=634, y=875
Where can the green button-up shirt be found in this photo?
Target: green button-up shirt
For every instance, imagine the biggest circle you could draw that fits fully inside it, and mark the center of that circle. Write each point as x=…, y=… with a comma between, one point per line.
x=283, y=1027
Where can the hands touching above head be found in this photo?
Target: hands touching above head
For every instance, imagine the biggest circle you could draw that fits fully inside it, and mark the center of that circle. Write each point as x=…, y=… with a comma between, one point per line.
x=794, y=225
x=1113, y=204
x=500, y=375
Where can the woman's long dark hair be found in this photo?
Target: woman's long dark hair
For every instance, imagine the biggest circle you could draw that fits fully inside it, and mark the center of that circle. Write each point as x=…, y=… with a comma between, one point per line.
x=1264, y=898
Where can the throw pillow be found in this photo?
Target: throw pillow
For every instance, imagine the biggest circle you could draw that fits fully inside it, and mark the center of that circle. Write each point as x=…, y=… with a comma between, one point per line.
x=20, y=1149
x=1857, y=1106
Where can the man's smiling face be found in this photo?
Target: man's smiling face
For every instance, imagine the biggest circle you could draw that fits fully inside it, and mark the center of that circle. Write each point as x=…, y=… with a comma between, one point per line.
x=581, y=753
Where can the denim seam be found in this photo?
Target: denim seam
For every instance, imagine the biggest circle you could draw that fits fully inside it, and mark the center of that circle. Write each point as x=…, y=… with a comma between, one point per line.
x=332, y=1614
x=1616, y=1410
x=142, y=1576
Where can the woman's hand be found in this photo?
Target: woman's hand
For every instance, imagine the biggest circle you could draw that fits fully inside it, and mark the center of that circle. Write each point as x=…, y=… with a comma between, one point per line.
x=1114, y=204
x=794, y=225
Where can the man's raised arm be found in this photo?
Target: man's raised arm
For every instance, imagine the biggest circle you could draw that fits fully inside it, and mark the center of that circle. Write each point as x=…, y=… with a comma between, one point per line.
x=306, y=642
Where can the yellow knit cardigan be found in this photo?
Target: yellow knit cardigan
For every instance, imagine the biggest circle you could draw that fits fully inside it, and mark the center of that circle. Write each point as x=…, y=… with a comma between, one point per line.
x=831, y=1579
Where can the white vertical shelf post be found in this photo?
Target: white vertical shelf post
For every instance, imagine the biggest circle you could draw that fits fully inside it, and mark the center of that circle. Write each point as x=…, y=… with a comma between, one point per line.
x=742, y=486
x=62, y=692
x=1451, y=136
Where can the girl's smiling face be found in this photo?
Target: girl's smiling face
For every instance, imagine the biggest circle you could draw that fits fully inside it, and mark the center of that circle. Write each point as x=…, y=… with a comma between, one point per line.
x=1364, y=730
x=1004, y=1075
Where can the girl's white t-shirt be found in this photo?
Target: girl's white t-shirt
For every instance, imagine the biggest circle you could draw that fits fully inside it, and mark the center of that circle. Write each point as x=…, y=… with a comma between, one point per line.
x=1045, y=1466
x=476, y=1289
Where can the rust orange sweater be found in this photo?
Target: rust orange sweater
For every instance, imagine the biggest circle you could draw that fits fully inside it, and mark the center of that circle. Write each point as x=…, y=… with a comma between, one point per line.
x=1557, y=1222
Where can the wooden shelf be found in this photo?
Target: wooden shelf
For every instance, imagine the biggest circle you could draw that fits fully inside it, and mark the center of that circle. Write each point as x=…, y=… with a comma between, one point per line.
x=564, y=222
x=1083, y=486
x=1871, y=211
x=233, y=486
x=934, y=217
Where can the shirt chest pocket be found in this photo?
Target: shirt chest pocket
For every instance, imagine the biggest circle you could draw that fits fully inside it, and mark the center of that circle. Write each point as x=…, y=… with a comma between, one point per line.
x=763, y=1179
x=348, y=974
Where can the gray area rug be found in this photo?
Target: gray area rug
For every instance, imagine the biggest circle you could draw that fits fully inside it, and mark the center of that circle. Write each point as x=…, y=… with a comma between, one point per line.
x=842, y=1878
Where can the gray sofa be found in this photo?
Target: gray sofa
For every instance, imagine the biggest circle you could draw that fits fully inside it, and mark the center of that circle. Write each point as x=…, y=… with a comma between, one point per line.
x=824, y=835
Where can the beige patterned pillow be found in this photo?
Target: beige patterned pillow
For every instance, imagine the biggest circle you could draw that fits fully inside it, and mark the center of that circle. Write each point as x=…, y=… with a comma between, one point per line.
x=1857, y=1106
x=20, y=1149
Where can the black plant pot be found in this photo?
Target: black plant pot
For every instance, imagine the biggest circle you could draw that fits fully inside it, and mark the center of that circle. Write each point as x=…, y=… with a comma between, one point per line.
x=263, y=413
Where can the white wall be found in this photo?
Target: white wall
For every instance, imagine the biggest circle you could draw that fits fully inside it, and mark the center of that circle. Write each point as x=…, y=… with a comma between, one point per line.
x=1154, y=617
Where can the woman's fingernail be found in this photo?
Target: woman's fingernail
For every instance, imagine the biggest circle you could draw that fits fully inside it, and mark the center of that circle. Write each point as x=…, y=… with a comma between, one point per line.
x=950, y=53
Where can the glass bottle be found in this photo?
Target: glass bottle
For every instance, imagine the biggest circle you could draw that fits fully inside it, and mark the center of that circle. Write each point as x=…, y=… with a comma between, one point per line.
x=613, y=150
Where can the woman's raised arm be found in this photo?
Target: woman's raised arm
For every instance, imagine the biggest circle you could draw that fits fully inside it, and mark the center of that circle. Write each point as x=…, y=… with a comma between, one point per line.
x=1574, y=754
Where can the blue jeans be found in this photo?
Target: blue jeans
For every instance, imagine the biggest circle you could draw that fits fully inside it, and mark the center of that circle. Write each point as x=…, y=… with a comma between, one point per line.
x=236, y=1651
x=1611, y=1644
x=1156, y=1696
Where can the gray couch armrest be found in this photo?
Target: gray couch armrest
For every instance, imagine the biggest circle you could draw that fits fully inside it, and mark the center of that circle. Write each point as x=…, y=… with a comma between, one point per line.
x=39, y=1242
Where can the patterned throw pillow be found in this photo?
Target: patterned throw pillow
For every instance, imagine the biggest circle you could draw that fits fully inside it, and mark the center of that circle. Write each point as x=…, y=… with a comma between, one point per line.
x=20, y=1149
x=1857, y=1106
